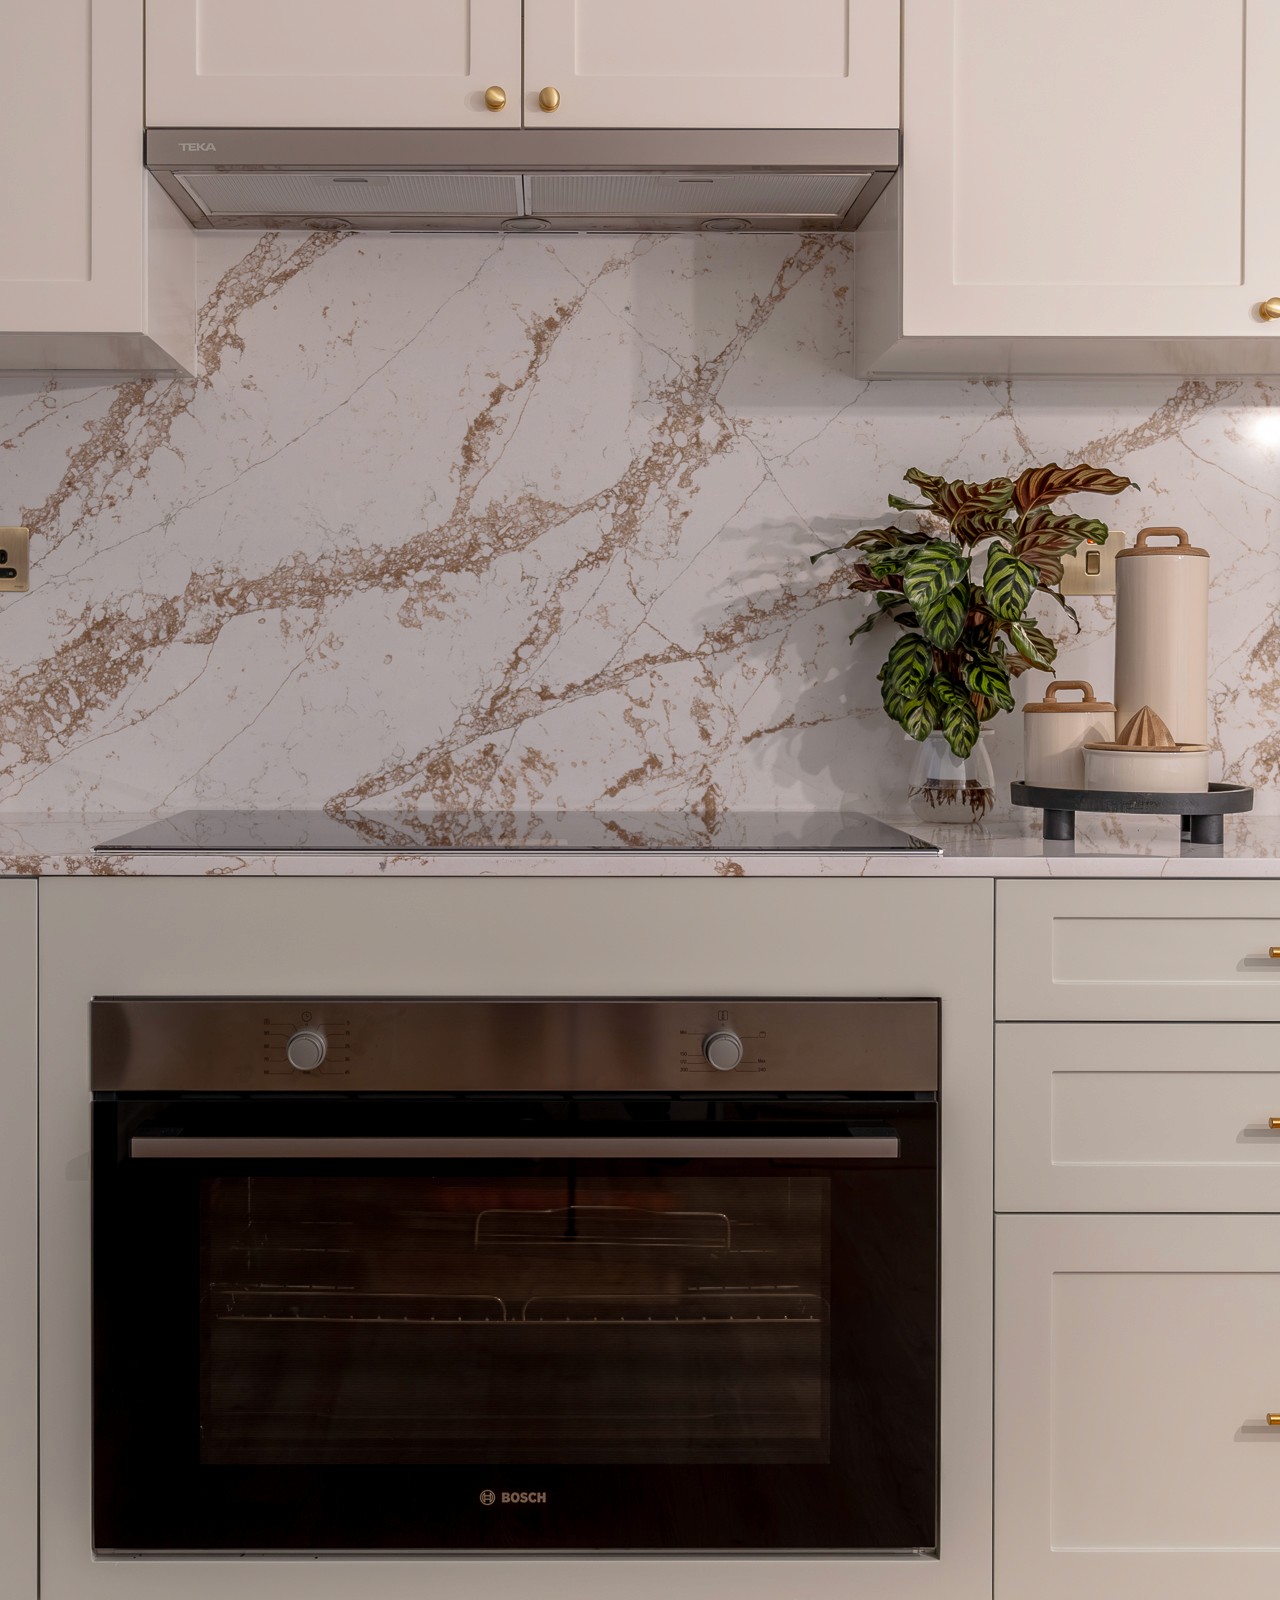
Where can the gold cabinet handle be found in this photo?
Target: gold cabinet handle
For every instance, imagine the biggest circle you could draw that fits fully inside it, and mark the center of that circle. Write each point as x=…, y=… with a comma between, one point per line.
x=549, y=99
x=1269, y=310
x=1274, y=1124
x=1273, y=1419
x=1274, y=952
x=495, y=97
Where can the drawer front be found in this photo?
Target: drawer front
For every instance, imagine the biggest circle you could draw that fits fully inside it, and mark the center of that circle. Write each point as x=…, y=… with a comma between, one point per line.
x=1137, y=1116
x=1142, y=952
x=1136, y=1366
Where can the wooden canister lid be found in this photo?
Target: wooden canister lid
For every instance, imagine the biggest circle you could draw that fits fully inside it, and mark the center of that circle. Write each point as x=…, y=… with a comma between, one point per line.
x=1184, y=547
x=1052, y=703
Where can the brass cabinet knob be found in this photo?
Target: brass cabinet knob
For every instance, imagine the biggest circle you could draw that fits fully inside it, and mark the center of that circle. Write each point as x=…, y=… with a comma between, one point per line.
x=1269, y=310
x=495, y=97
x=549, y=99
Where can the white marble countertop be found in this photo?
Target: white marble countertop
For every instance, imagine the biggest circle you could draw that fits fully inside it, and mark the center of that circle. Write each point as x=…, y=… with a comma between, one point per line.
x=1107, y=847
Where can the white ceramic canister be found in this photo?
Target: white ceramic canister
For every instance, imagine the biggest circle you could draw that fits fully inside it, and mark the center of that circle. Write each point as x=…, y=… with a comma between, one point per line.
x=1054, y=733
x=1162, y=633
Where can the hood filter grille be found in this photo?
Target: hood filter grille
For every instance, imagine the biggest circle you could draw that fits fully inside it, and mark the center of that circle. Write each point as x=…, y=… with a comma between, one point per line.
x=809, y=199
x=355, y=194
x=826, y=195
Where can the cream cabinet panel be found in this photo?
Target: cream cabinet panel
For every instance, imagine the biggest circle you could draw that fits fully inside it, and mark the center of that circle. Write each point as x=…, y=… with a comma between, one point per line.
x=712, y=63
x=1085, y=184
x=97, y=269
x=1137, y=951
x=1124, y=1116
x=1137, y=1360
x=18, y=1463
x=331, y=64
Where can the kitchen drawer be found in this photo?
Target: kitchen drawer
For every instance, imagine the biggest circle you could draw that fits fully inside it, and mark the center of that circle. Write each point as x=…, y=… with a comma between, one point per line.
x=1136, y=1116
x=1137, y=951
x=1137, y=1361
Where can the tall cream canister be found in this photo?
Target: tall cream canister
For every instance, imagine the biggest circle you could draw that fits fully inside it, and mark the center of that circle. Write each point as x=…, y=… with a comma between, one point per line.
x=1055, y=732
x=1162, y=633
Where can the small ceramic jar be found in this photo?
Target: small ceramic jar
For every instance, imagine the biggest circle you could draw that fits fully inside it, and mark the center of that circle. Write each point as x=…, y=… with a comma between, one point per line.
x=1055, y=733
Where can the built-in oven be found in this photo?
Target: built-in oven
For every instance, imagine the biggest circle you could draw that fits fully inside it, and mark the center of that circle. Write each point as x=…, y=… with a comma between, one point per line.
x=491, y=1276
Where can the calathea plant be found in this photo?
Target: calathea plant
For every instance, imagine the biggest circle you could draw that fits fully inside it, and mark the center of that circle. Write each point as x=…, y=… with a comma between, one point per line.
x=966, y=633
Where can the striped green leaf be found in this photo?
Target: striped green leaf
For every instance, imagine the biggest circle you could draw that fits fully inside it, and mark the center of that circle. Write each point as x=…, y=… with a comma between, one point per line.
x=1032, y=643
x=1008, y=584
x=932, y=570
x=987, y=676
x=942, y=619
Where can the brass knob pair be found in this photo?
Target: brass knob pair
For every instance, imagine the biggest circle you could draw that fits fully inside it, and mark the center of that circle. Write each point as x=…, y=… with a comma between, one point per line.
x=495, y=98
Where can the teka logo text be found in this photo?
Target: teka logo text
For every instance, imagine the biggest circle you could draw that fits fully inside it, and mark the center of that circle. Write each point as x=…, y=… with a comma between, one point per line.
x=514, y=1497
x=201, y=146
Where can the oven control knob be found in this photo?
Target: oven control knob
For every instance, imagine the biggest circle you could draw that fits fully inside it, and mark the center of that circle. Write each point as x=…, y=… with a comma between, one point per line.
x=723, y=1049
x=306, y=1049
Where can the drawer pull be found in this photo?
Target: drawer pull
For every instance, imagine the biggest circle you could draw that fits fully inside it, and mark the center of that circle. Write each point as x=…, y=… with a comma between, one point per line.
x=1274, y=952
x=1274, y=1124
x=1273, y=1419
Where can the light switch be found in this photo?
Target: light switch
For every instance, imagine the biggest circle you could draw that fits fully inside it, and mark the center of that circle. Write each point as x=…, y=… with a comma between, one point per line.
x=1091, y=569
x=13, y=559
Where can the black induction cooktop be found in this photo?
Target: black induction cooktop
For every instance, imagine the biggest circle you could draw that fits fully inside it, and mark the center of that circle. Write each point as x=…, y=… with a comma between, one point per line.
x=281, y=832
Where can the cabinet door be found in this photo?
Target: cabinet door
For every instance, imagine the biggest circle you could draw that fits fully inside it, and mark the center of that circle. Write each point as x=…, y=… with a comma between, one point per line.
x=712, y=63
x=1090, y=168
x=331, y=64
x=18, y=1463
x=1137, y=1361
x=97, y=269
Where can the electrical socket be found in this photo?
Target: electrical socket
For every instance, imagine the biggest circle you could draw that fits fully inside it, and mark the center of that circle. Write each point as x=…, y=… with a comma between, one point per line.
x=14, y=564
x=1091, y=569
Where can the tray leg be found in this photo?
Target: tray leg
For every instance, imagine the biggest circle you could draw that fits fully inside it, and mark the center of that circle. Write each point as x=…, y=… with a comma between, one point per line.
x=1202, y=830
x=1062, y=824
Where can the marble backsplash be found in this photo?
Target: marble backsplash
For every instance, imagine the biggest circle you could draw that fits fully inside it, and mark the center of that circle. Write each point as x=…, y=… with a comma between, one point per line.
x=496, y=523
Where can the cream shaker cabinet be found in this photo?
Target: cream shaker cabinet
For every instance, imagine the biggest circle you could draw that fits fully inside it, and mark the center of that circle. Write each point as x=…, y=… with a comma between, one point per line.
x=1137, y=1363
x=18, y=1329
x=1085, y=189
x=585, y=63
x=332, y=64
x=711, y=64
x=97, y=268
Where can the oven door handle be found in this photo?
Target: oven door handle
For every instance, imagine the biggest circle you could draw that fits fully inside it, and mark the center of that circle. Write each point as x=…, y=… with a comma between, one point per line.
x=878, y=1145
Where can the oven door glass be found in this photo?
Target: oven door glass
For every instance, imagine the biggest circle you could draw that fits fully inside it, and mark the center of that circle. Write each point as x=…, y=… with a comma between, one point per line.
x=386, y=1352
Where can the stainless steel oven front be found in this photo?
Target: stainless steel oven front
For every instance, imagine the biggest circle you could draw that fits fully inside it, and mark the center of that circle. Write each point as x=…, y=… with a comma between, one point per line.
x=632, y=1276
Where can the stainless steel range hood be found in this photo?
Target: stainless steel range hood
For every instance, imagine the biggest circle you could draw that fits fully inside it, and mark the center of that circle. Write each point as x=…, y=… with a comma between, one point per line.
x=574, y=180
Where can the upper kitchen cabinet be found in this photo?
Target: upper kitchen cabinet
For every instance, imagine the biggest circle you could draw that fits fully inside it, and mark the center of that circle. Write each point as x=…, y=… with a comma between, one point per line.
x=1086, y=188
x=711, y=64
x=333, y=64
x=97, y=268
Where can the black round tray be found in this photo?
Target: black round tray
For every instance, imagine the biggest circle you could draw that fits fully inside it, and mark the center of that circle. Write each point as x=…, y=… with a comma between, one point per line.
x=1201, y=813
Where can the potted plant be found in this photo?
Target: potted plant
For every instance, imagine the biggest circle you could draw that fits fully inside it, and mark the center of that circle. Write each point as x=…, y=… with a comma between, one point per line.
x=965, y=635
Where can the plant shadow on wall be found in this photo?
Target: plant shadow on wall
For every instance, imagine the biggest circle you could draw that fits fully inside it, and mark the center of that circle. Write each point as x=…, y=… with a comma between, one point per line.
x=958, y=584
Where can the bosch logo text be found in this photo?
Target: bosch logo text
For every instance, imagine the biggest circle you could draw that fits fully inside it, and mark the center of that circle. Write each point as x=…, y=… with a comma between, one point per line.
x=514, y=1497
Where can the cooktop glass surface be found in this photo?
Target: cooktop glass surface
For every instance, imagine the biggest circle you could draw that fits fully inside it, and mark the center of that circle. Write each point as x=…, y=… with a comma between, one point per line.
x=278, y=832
